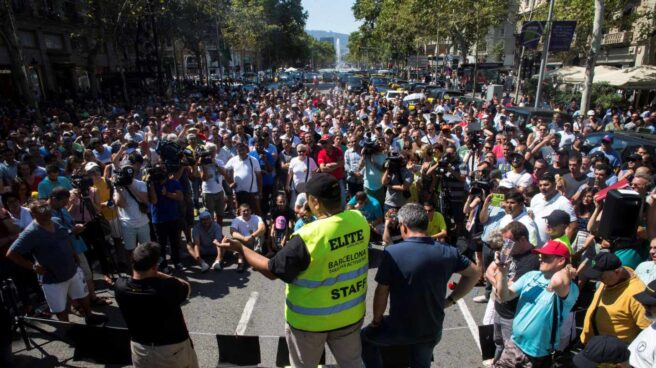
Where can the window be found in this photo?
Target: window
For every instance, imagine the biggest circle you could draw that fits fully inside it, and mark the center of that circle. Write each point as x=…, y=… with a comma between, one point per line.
x=53, y=41
x=27, y=39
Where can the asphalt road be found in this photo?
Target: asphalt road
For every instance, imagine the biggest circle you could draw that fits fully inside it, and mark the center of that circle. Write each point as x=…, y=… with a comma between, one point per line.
x=218, y=306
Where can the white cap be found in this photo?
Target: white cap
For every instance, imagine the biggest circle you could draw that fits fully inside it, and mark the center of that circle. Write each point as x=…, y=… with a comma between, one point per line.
x=591, y=112
x=172, y=137
x=90, y=166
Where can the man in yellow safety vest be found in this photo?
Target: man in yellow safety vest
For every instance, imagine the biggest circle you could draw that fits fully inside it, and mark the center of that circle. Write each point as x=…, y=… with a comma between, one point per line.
x=325, y=267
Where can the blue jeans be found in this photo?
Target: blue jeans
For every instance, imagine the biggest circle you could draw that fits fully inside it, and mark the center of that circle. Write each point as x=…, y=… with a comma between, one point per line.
x=375, y=338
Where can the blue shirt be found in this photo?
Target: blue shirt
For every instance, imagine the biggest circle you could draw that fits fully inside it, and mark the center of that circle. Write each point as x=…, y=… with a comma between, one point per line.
x=371, y=210
x=613, y=157
x=46, y=186
x=205, y=237
x=417, y=271
x=166, y=208
x=53, y=251
x=531, y=329
x=67, y=220
x=373, y=177
x=267, y=178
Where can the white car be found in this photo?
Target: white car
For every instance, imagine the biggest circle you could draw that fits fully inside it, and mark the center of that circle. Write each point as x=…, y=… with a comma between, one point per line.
x=390, y=95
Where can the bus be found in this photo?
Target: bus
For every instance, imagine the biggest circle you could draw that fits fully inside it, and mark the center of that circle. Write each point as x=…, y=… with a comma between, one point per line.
x=486, y=73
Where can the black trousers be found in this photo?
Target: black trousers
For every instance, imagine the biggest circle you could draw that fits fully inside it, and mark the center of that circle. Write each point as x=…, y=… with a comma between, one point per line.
x=169, y=233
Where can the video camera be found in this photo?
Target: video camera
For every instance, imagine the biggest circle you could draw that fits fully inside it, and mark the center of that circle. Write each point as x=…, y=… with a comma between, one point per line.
x=205, y=157
x=82, y=184
x=123, y=177
x=369, y=147
x=393, y=162
x=156, y=174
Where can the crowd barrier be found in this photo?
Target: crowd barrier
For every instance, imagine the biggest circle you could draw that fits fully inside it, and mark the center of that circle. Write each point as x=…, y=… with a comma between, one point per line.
x=111, y=345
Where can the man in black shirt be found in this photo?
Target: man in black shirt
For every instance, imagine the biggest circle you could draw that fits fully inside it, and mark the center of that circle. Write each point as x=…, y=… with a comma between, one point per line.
x=150, y=303
x=518, y=247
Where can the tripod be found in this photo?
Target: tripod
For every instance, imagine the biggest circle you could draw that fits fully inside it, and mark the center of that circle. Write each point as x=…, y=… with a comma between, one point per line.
x=95, y=237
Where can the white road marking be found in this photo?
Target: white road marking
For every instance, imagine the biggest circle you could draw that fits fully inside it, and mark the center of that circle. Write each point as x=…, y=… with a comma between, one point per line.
x=246, y=314
x=473, y=328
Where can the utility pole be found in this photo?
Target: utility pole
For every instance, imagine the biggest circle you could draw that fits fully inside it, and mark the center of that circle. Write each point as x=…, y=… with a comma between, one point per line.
x=521, y=56
x=592, y=57
x=545, y=53
x=437, y=52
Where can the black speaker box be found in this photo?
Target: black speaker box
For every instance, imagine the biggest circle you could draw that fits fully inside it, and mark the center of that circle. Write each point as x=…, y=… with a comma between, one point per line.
x=620, y=216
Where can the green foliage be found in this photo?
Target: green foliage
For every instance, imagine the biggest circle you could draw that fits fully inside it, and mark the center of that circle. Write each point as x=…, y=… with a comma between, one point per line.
x=392, y=30
x=603, y=94
x=498, y=52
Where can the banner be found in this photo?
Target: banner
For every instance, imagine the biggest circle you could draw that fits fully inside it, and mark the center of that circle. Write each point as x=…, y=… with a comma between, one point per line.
x=562, y=33
x=531, y=34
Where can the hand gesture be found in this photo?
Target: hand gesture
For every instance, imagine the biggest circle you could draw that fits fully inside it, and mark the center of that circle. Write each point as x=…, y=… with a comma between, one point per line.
x=229, y=244
x=40, y=269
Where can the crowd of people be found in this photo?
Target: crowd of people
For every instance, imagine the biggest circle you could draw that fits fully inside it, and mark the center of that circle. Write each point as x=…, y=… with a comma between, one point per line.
x=513, y=204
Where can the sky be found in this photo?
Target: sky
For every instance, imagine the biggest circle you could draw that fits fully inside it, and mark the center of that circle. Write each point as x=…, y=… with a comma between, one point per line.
x=330, y=15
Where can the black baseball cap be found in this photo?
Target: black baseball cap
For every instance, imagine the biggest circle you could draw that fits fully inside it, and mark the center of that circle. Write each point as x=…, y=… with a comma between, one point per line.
x=603, y=262
x=634, y=157
x=557, y=217
x=647, y=297
x=600, y=350
x=323, y=186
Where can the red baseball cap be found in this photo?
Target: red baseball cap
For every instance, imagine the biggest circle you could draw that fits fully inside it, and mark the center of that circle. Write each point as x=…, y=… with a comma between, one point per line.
x=326, y=138
x=553, y=248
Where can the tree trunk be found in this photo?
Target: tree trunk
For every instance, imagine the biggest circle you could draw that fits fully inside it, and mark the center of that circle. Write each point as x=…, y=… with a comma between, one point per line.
x=592, y=57
x=91, y=71
x=15, y=51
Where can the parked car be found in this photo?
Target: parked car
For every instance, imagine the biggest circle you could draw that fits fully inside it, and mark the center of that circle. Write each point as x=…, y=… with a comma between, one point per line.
x=413, y=100
x=441, y=93
x=355, y=85
x=390, y=95
x=524, y=114
x=625, y=143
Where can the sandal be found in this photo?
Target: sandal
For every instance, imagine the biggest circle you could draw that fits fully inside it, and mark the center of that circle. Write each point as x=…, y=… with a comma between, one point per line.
x=101, y=301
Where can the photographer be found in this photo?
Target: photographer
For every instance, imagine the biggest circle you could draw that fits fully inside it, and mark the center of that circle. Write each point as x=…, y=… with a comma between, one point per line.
x=373, y=163
x=212, y=172
x=398, y=179
x=131, y=197
x=451, y=181
x=165, y=193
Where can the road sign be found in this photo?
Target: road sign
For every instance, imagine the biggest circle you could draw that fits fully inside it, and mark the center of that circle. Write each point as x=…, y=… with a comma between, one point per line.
x=562, y=33
x=531, y=34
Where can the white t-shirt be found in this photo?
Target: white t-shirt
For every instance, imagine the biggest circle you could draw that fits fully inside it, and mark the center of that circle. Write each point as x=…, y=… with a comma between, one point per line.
x=643, y=349
x=130, y=216
x=244, y=173
x=541, y=208
x=525, y=220
x=429, y=139
x=246, y=227
x=214, y=180
x=522, y=179
x=299, y=169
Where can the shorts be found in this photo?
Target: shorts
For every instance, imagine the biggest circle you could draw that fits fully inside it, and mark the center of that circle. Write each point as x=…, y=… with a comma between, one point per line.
x=181, y=354
x=57, y=294
x=214, y=203
x=135, y=235
x=84, y=266
x=115, y=227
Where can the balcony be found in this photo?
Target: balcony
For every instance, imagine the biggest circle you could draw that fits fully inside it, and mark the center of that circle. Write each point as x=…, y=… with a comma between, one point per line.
x=615, y=39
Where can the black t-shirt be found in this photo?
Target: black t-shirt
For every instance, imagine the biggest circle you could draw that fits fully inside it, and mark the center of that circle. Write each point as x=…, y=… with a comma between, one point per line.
x=520, y=265
x=151, y=308
x=291, y=260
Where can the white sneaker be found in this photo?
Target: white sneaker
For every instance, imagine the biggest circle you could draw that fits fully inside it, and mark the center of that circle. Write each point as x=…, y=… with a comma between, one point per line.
x=204, y=266
x=488, y=363
x=216, y=266
x=480, y=299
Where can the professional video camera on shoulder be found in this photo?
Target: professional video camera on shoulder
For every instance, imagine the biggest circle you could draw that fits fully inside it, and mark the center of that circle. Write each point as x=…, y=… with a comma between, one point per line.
x=205, y=157
x=124, y=177
x=156, y=174
x=394, y=162
x=370, y=146
x=474, y=140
